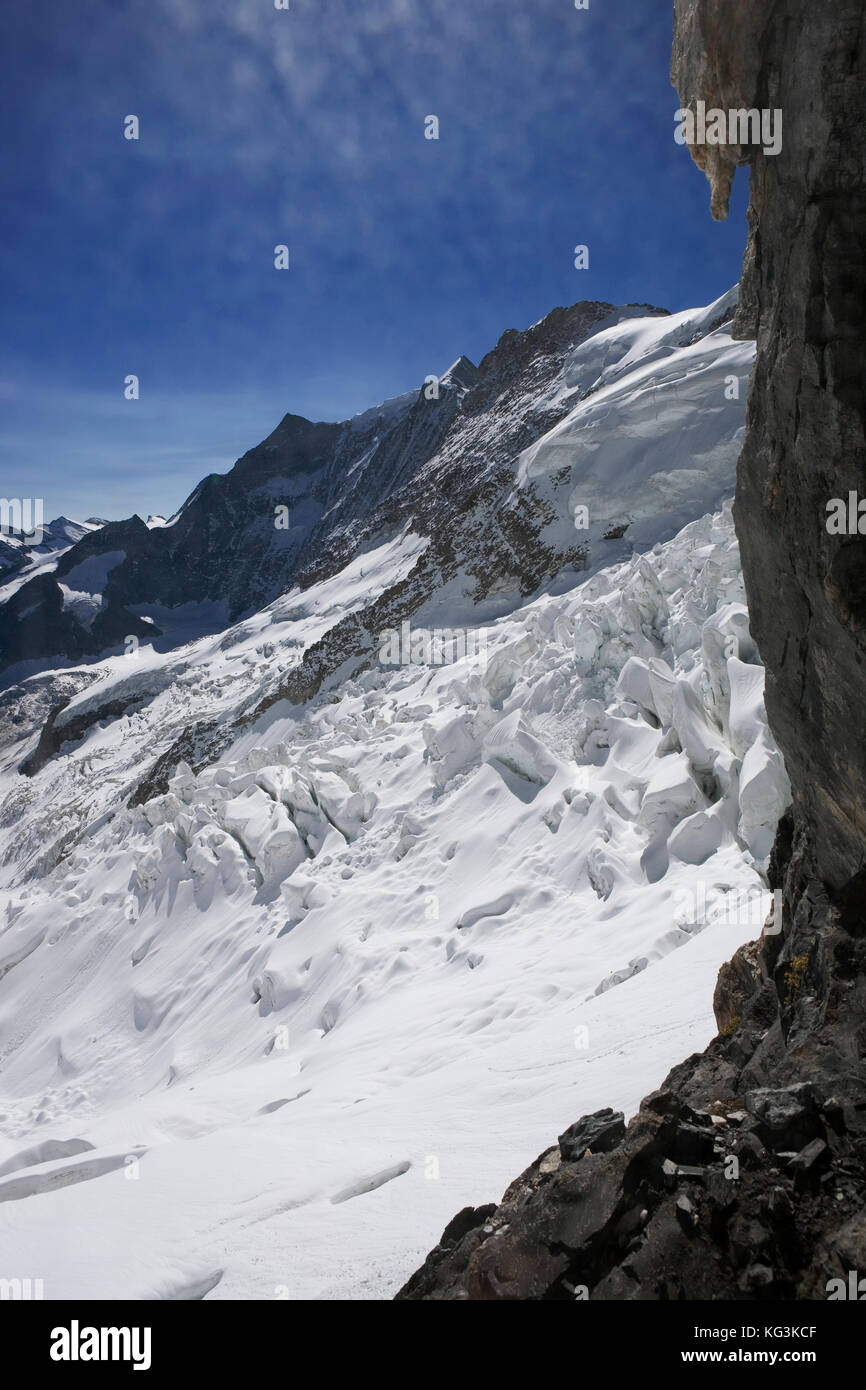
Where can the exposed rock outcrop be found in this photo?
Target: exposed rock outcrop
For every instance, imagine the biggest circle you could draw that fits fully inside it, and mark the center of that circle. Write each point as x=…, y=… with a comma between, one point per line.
x=745, y=1175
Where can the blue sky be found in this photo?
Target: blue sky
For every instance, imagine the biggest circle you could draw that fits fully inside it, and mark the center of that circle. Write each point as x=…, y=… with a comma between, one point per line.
x=261, y=126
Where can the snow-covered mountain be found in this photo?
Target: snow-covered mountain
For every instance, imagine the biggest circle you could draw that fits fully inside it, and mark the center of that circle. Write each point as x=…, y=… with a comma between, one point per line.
x=24, y=553
x=306, y=944
x=441, y=461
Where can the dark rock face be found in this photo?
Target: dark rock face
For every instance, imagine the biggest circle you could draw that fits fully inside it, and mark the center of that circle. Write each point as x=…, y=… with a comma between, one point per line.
x=598, y=1133
x=804, y=298
x=737, y=1180
x=744, y=1177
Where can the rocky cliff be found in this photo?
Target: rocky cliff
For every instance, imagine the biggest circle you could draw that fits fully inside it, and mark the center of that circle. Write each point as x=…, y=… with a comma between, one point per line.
x=744, y=1176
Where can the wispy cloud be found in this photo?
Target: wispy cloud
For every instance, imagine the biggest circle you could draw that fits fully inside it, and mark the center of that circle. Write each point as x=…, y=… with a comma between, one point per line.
x=305, y=127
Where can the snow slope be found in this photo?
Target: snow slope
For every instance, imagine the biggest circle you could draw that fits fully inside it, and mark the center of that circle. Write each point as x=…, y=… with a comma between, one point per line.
x=658, y=408
x=263, y=1034
x=431, y=884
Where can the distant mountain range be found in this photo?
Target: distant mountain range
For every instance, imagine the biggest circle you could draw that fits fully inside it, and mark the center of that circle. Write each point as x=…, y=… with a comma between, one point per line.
x=18, y=550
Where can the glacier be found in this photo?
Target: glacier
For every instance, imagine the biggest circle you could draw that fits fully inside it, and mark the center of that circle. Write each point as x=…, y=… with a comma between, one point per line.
x=263, y=1030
